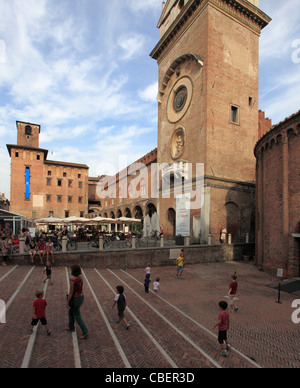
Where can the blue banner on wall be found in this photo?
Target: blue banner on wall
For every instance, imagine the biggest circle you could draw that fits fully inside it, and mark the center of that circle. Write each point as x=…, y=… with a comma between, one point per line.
x=27, y=183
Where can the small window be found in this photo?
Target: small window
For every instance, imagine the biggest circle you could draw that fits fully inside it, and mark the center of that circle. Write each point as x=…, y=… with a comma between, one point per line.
x=48, y=181
x=79, y=199
x=59, y=182
x=70, y=183
x=67, y=213
x=80, y=185
x=79, y=176
x=69, y=199
x=51, y=213
x=48, y=197
x=28, y=130
x=38, y=157
x=16, y=154
x=234, y=114
x=59, y=197
x=64, y=174
x=49, y=173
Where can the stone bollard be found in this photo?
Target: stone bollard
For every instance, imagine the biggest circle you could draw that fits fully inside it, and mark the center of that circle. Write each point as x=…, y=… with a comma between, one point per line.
x=209, y=239
x=101, y=243
x=187, y=241
x=133, y=242
x=22, y=245
x=229, y=238
x=64, y=243
x=162, y=241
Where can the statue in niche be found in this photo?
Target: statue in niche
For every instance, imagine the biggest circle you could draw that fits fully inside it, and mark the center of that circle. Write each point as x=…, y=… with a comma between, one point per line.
x=177, y=143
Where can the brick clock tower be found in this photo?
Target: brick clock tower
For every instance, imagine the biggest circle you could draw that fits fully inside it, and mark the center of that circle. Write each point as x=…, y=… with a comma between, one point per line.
x=208, y=58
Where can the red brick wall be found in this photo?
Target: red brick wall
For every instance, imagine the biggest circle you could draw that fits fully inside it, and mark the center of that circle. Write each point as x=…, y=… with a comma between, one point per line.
x=278, y=198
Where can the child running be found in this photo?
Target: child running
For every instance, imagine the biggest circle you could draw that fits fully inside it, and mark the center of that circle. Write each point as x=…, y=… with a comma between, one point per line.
x=156, y=287
x=232, y=293
x=48, y=272
x=121, y=302
x=147, y=281
x=223, y=325
x=39, y=312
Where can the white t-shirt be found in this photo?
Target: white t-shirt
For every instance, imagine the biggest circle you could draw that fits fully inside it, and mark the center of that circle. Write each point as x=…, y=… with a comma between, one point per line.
x=117, y=297
x=148, y=270
x=156, y=286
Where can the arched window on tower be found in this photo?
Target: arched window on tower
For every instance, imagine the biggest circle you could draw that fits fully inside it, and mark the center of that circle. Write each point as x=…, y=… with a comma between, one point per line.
x=28, y=130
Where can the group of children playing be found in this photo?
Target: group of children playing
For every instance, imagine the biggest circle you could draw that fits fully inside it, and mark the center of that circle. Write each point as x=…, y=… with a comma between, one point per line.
x=39, y=306
x=223, y=317
x=41, y=248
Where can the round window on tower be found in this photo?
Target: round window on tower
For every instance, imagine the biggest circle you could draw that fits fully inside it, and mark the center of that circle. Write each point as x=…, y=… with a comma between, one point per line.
x=179, y=100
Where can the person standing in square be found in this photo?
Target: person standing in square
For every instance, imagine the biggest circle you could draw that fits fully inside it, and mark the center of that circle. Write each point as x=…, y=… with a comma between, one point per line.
x=223, y=325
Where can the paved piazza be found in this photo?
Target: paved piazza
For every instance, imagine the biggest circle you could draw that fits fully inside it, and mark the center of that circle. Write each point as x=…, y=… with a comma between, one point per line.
x=173, y=331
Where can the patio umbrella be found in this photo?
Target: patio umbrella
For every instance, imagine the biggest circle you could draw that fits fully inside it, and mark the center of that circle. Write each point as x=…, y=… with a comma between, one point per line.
x=102, y=220
x=75, y=220
x=49, y=221
x=126, y=220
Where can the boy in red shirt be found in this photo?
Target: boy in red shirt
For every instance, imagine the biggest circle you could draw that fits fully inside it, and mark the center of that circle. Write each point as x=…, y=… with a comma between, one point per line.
x=39, y=312
x=223, y=324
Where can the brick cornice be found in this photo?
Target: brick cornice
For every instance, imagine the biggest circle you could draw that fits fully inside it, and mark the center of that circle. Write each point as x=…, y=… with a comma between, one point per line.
x=240, y=10
x=281, y=130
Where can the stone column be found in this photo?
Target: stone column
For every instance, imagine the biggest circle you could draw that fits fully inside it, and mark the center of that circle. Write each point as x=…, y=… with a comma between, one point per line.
x=22, y=245
x=162, y=241
x=133, y=242
x=64, y=243
x=101, y=246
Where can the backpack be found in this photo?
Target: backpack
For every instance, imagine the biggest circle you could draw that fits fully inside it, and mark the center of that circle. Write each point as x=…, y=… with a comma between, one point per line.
x=121, y=302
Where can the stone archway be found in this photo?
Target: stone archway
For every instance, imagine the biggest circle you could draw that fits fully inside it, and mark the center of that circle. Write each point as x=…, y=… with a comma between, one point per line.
x=138, y=212
x=127, y=213
x=171, y=216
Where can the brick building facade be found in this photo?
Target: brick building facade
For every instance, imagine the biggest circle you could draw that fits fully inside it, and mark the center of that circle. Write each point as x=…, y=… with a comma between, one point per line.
x=278, y=198
x=41, y=187
x=208, y=59
x=129, y=192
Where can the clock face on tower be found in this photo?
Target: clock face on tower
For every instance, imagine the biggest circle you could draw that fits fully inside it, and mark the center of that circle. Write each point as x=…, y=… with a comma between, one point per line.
x=179, y=99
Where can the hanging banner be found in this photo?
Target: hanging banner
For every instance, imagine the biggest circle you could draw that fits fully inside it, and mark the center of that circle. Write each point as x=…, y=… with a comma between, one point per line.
x=183, y=205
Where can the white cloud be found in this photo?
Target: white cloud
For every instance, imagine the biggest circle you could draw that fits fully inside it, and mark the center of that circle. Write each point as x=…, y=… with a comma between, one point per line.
x=150, y=93
x=132, y=45
x=277, y=37
x=144, y=6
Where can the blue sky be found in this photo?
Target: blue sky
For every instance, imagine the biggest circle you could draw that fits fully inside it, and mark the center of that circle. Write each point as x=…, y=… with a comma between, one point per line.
x=81, y=69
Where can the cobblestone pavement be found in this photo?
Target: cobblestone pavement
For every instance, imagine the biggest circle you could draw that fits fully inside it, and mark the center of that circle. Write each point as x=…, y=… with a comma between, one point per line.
x=174, y=330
